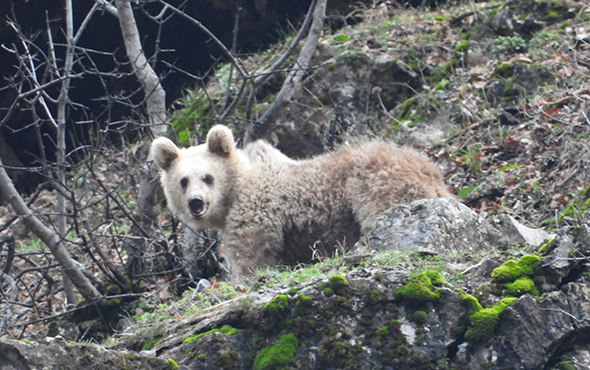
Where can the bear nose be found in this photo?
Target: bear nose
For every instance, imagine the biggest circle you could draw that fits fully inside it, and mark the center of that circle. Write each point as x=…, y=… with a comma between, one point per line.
x=196, y=206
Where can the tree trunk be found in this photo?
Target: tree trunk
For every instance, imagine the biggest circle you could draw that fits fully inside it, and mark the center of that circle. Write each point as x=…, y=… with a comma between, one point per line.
x=62, y=102
x=155, y=101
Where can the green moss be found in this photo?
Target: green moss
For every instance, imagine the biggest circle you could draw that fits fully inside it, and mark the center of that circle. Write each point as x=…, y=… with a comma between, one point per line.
x=340, y=38
x=171, y=364
x=418, y=289
x=130, y=356
x=504, y=70
x=435, y=277
x=547, y=247
x=202, y=357
x=278, y=356
x=375, y=296
x=512, y=270
x=420, y=317
x=302, y=304
x=154, y=361
x=113, y=302
x=482, y=324
x=190, y=338
x=564, y=366
x=471, y=303
x=338, y=284
x=149, y=344
x=279, y=302
x=225, y=329
x=521, y=286
x=551, y=16
x=505, y=302
x=228, y=360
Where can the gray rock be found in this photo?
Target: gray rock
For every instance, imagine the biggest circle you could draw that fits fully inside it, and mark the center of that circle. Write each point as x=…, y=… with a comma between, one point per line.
x=518, y=233
x=54, y=353
x=534, y=332
x=440, y=226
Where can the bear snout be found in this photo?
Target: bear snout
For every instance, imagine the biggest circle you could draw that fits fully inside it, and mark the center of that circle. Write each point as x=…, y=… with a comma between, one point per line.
x=197, y=207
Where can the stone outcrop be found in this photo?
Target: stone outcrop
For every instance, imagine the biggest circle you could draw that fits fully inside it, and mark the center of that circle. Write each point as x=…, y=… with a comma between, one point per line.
x=378, y=309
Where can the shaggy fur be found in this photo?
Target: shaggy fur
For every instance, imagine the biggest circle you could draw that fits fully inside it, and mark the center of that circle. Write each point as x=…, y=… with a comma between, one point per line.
x=273, y=210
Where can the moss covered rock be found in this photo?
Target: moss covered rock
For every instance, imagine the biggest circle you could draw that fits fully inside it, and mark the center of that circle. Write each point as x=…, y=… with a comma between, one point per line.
x=278, y=356
x=512, y=270
x=419, y=290
x=521, y=286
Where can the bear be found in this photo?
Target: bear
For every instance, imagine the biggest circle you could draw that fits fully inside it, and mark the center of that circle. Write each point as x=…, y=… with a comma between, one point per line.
x=273, y=210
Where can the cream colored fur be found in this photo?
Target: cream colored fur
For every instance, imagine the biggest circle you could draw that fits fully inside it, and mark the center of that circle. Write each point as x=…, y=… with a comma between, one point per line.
x=273, y=210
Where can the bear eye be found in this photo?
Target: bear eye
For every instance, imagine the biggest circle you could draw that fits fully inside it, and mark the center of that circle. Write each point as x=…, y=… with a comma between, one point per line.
x=183, y=182
x=208, y=179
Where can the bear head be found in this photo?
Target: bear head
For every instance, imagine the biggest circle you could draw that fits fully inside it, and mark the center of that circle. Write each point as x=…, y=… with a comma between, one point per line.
x=197, y=181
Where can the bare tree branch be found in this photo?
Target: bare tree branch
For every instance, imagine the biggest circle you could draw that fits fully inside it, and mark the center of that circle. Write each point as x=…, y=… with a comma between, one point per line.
x=51, y=239
x=258, y=81
x=241, y=70
x=62, y=102
x=108, y=7
x=292, y=81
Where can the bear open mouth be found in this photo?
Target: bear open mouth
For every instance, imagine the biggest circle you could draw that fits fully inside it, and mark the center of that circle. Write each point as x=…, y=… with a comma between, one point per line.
x=199, y=213
x=197, y=207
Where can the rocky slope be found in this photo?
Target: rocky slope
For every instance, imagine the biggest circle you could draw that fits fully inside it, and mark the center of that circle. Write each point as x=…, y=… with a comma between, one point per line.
x=428, y=288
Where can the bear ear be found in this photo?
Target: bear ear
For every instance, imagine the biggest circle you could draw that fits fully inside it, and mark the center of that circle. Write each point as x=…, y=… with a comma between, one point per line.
x=164, y=152
x=220, y=140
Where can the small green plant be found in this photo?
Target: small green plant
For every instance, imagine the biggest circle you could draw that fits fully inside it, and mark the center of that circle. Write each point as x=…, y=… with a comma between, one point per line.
x=463, y=45
x=506, y=45
x=541, y=39
x=33, y=244
x=340, y=38
x=472, y=158
x=551, y=15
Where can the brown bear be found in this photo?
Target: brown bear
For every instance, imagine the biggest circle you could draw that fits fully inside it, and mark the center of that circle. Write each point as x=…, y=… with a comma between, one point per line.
x=274, y=210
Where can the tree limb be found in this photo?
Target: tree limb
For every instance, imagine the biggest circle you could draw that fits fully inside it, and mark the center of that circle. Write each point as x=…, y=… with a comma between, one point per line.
x=262, y=78
x=243, y=72
x=47, y=236
x=294, y=78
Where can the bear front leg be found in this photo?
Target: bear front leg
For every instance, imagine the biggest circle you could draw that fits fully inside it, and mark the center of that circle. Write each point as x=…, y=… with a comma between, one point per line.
x=249, y=248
